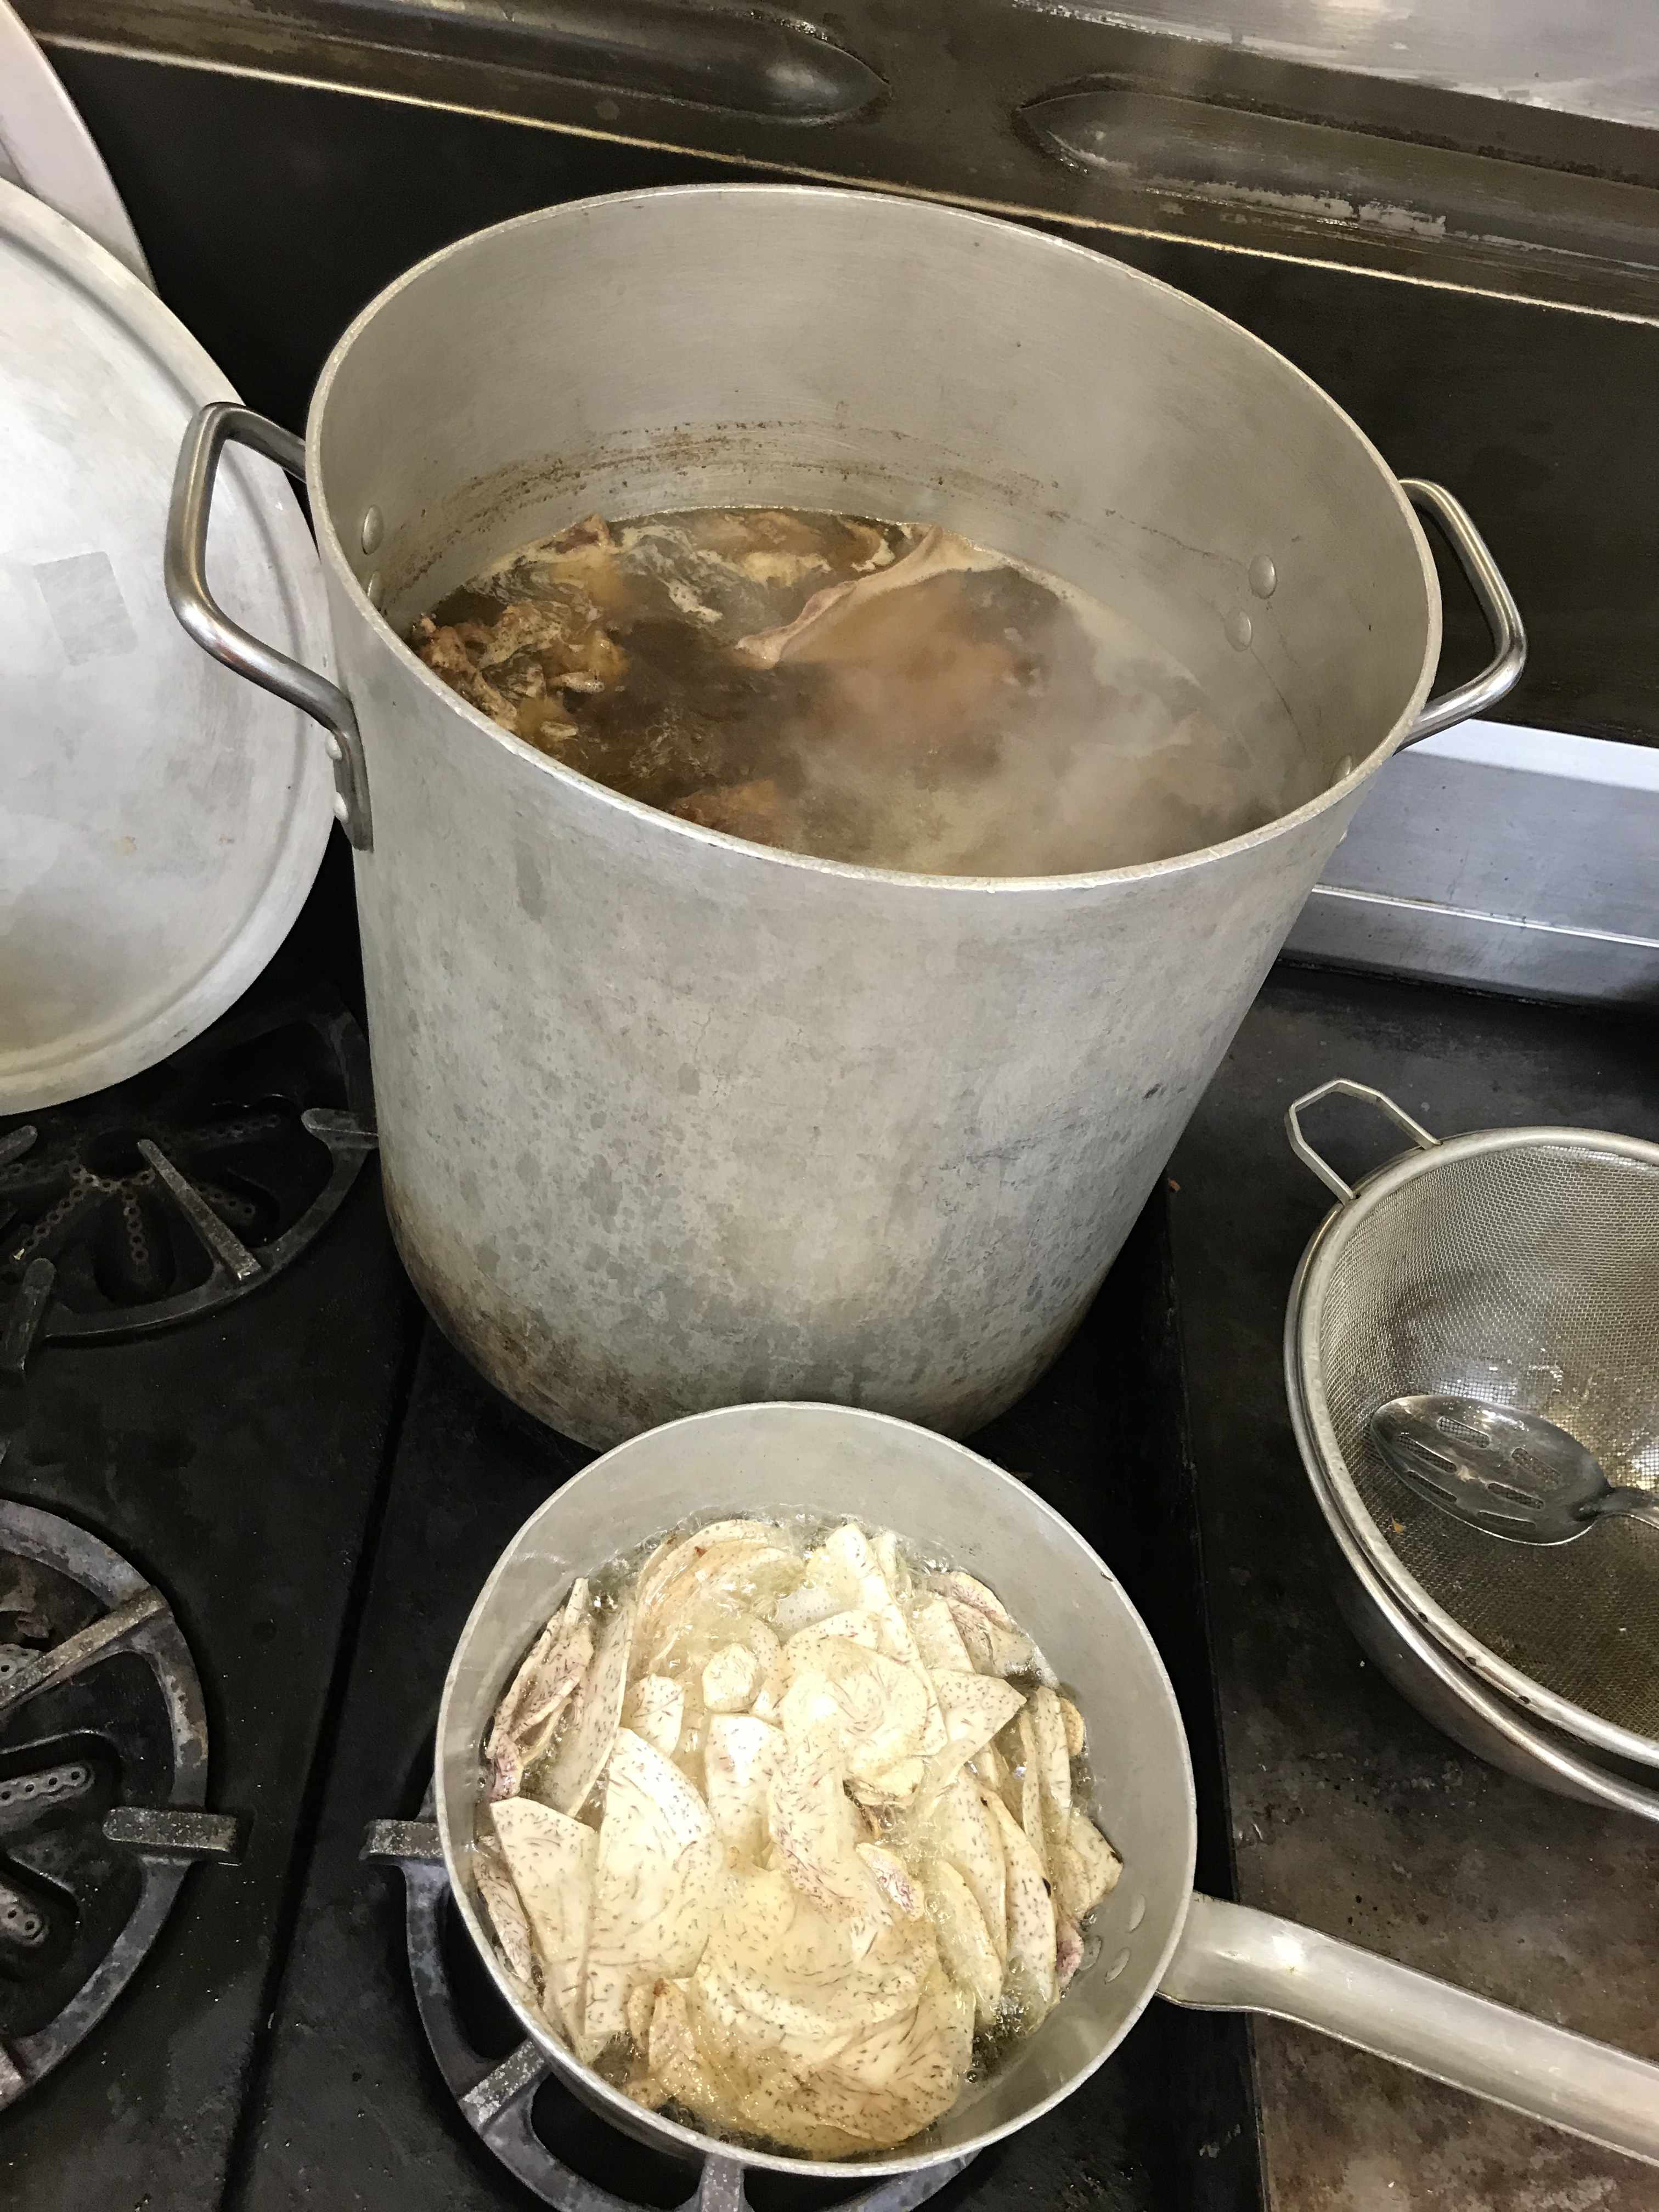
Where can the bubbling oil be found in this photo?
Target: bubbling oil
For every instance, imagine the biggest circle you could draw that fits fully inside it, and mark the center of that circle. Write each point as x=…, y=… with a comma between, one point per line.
x=699, y=1601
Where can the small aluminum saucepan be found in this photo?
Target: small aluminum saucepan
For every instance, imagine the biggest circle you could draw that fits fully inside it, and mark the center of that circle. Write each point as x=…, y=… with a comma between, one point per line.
x=1155, y=1937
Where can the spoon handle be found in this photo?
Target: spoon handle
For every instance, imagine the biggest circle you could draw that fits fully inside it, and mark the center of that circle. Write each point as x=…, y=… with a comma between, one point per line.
x=1625, y=1502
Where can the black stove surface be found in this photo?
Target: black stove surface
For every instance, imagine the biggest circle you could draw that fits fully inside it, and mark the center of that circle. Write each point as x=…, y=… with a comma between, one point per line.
x=188, y=1187
x=235, y=1461
x=351, y=2108
x=318, y=1487
x=1353, y=1814
x=103, y=1775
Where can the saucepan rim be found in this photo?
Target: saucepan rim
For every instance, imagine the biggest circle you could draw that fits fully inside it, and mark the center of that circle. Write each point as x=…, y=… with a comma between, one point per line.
x=636, y=2120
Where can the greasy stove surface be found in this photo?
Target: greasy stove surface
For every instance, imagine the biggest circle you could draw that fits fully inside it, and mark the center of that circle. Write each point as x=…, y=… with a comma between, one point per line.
x=321, y=1526
x=235, y=1462
x=1348, y=1810
x=351, y=2110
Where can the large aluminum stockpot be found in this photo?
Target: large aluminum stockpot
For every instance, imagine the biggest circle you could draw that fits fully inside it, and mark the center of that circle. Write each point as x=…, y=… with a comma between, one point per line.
x=1150, y=1935
x=668, y=1119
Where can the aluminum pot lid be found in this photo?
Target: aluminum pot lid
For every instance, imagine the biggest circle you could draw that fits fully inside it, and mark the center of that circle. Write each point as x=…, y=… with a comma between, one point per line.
x=47, y=148
x=161, y=820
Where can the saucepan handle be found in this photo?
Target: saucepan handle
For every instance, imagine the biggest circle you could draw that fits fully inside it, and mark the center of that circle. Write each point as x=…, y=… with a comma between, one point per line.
x=1497, y=603
x=1233, y=1959
x=213, y=429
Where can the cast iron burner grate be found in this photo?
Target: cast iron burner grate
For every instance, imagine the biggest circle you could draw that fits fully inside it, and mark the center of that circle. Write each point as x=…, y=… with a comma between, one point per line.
x=103, y=1772
x=516, y=2106
x=175, y=1194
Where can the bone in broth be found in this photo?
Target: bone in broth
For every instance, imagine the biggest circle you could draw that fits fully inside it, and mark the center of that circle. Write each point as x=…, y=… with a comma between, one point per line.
x=865, y=691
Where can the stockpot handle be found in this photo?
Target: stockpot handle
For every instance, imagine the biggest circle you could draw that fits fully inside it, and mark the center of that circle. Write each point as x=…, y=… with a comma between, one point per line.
x=213, y=429
x=1340, y=1085
x=1233, y=1959
x=1497, y=603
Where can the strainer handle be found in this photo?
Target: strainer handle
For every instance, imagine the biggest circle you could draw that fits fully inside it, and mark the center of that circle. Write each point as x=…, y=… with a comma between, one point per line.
x=1233, y=1959
x=1342, y=1085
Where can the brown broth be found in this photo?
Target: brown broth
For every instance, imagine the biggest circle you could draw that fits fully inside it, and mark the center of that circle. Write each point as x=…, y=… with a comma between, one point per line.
x=981, y=720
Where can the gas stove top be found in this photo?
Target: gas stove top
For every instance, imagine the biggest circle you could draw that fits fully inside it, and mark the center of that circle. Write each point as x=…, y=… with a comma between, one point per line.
x=103, y=1769
x=395, y=2078
x=188, y=1476
x=235, y=1553
x=514, y=2103
x=239, y=1535
x=167, y=1197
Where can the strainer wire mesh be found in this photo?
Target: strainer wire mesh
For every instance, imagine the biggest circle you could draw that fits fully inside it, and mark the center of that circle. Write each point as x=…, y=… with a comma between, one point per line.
x=1520, y=1267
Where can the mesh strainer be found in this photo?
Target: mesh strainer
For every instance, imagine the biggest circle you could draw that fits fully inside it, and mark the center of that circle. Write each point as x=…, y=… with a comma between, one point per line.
x=1520, y=1267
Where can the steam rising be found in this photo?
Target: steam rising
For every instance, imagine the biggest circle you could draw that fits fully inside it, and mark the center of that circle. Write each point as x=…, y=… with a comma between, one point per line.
x=863, y=691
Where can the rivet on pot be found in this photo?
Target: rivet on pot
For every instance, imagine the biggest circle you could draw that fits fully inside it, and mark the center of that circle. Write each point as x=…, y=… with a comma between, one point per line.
x=341, y=812
x=332, y=746
x=375, y=589
x=1240, y=629
x=1263, y=576
x=1137, y=1913
x=1117, y=1966
x=374, y=530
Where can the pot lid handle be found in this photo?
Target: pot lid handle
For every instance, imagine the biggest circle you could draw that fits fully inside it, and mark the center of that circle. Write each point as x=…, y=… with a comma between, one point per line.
x=210, y=430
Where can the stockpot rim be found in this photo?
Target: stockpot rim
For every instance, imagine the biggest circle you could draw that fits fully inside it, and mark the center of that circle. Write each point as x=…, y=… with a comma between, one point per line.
x=718, y=841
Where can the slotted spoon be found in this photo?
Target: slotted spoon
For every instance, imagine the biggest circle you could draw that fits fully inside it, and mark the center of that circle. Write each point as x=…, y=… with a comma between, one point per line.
x=1515, y=1475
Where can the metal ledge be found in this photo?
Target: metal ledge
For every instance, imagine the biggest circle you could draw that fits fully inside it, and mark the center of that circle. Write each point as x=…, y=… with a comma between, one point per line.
x=1434, y=944
x=1046, y=112
x=1511, y=859
x=730, y=62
